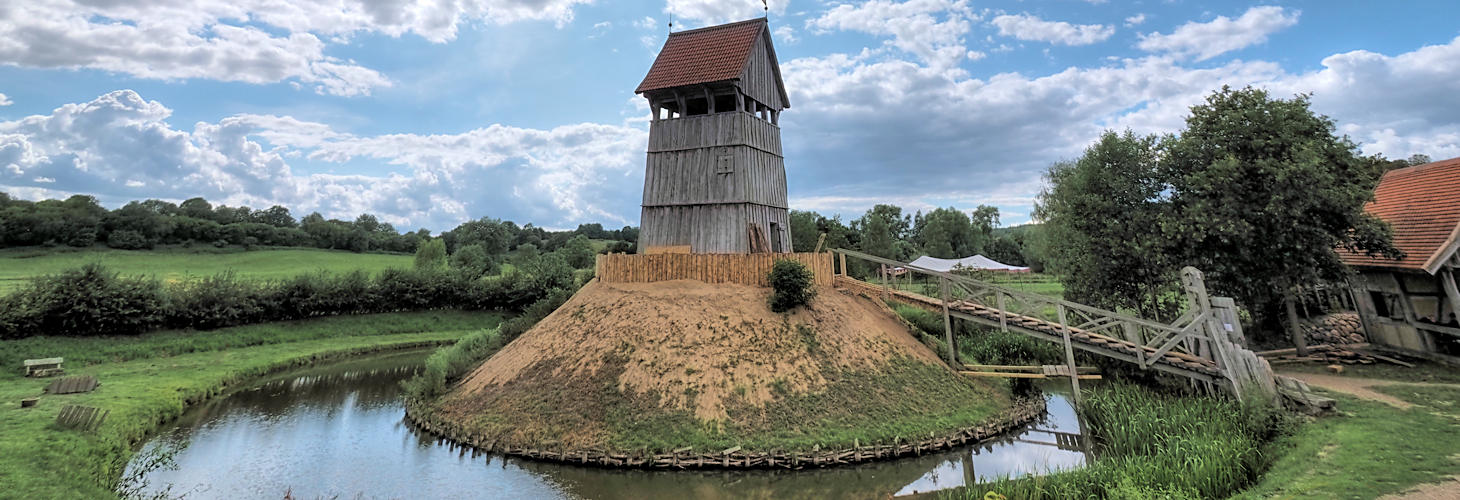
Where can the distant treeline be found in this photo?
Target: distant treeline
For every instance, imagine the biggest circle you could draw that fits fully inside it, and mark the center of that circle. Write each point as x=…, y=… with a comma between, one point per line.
x=80, y=221
x=946, y=233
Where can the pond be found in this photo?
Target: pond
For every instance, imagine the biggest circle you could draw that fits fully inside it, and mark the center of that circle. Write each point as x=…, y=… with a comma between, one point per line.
x=338, y=431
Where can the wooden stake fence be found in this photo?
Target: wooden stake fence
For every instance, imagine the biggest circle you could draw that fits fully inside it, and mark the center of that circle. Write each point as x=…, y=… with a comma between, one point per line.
x=745, y=269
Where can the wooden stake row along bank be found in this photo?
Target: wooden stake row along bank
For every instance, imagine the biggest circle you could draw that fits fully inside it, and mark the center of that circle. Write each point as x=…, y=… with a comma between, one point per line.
x=1022, y=412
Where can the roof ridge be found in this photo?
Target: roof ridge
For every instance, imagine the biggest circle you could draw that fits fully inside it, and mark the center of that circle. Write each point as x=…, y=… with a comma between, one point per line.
x=718, y=26
x=1425, y=166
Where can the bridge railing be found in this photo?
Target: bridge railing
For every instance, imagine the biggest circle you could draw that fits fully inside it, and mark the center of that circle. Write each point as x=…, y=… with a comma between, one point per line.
x=1201, y=334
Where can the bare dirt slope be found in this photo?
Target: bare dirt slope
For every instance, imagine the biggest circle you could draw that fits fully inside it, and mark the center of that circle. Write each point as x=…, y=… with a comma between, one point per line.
x=652, y=364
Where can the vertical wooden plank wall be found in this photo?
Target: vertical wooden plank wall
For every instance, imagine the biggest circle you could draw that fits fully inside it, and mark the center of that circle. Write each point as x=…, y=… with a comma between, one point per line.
x=745, y=269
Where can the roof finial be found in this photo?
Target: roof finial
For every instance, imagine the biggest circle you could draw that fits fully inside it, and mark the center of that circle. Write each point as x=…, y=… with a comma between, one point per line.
x=767, y=6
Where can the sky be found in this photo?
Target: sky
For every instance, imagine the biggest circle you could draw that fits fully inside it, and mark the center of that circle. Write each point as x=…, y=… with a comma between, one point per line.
x=430, y=113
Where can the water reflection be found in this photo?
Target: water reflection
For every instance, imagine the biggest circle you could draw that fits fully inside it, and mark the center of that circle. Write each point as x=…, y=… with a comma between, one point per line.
x=337, y=431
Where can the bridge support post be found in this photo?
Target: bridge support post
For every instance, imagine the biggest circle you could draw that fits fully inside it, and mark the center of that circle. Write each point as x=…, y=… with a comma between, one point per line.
x=948, y=324
x=1069, y=353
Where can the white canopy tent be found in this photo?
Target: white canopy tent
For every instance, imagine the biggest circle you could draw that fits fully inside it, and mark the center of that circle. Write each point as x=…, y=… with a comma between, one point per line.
x=977, y=263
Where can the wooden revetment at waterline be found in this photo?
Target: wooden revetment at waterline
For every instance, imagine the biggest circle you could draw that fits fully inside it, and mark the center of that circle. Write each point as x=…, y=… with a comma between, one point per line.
x=715, y=175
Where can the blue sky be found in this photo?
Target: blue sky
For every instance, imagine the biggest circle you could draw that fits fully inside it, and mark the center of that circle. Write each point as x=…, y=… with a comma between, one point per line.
x=431, y=113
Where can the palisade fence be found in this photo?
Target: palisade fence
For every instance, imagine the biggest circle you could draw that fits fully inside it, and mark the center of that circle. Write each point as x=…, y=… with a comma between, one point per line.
x=745, y=269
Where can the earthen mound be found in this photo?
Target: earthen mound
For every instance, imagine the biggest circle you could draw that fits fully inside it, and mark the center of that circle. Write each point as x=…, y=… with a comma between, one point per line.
x=659, y=366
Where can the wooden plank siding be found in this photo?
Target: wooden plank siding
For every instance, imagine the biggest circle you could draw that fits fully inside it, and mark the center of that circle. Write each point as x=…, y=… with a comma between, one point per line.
x=694, y=177
x=760, y=79
x=744, y=269
x=711, y=228
x=719, y=129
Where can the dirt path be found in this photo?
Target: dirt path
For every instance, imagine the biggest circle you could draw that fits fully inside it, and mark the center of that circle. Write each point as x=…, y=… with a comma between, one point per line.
x=1447, y=490
x=1355, y=386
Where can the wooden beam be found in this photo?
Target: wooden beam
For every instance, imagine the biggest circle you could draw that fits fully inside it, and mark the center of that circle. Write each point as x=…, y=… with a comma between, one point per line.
x=1022, y=375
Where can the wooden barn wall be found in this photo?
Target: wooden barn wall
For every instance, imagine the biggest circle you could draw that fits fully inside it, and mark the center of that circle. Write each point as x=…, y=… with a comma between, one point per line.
x=745, y=269
x=719, y=129
x=758, y=79
x=692, y=177
x=714, y=228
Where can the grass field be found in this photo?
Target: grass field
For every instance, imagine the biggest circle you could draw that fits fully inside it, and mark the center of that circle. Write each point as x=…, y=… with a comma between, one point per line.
x=19, y=264
x=1369, y=449
x=150, y=379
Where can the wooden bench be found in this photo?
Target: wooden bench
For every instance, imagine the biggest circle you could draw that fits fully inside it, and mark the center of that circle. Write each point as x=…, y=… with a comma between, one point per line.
x=43, y=367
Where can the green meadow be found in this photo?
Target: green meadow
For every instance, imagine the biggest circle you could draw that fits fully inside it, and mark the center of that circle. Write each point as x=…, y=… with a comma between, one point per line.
x=17, y=265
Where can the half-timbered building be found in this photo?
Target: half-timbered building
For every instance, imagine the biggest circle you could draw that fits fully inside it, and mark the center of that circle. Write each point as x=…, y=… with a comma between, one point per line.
x=1411, y=303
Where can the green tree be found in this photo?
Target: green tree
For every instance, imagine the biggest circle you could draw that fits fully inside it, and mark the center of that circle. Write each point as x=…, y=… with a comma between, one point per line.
x=1103, y=210
x=803, y=230
x=578, y=252
x=1262, y=193
x=473, y=261
x=1005, y=249
x=880, y=229
x=431, y=254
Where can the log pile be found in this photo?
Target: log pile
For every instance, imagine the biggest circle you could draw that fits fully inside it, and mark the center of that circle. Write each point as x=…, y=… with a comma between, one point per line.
x=1348, y=354
x=1336, y=328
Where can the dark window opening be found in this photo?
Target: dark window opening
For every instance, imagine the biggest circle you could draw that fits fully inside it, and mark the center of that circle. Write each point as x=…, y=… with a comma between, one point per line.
x=1386, y=305
x=724, y=103
x=696, y=106
x=775, y=237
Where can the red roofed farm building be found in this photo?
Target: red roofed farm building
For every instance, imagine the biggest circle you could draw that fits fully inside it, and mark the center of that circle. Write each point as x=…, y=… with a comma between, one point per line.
x=1410, y=303
x=715, y=180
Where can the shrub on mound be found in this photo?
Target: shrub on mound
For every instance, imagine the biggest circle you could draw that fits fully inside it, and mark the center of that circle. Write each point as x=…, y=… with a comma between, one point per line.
x=793, y=285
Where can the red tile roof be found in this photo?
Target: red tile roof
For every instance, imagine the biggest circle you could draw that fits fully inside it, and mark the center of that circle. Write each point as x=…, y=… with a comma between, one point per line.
x=703, y=55
x=1422, y=204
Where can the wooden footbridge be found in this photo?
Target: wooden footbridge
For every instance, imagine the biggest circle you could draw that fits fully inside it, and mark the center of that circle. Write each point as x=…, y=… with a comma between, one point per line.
x=1204, y=345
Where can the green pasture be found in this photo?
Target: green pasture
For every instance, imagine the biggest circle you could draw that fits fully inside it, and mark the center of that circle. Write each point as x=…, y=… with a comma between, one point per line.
x=171, y=264
x=148, y=380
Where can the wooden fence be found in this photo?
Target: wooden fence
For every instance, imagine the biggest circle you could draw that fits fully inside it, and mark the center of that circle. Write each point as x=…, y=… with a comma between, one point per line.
x=745, y=269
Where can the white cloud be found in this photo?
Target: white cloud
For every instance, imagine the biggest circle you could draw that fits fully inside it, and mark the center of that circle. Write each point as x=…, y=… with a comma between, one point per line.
x=120, y=147
x=252, y=41
x=1135, y=20
x=1031, y=28
x=908, y=132
x=786, y=34
x=699, y=13
x=1221, y=35
x=932, y=30
x=5, y=100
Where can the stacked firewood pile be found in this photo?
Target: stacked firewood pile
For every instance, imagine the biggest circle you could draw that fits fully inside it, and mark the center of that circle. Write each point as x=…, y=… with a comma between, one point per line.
x=1327, y=353
x=1336, y=328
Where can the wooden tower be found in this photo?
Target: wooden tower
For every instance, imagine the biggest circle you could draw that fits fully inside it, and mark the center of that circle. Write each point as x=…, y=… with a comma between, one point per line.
x=715, y=181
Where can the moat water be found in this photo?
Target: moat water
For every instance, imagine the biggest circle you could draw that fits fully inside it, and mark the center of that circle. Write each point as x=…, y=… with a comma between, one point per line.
x=337, y=430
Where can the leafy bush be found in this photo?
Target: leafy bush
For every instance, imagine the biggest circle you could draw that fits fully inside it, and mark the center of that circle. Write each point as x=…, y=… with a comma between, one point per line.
x=93, y=301
x=127, y=239
x=86, y=301
x=451, y=362
x=472, y=260
x=792, y=285
x=431, y=254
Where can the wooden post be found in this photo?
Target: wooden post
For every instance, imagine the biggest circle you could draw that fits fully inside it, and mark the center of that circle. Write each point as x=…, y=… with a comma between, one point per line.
x=844, y=264
x=1452, y=292
x=1003, y=313
x=1295, y=330
x=948, y=325
x=1069, y=353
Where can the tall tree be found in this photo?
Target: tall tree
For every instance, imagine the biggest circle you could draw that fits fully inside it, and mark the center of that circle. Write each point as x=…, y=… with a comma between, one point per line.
x=1263, y=191
x=1103, y=213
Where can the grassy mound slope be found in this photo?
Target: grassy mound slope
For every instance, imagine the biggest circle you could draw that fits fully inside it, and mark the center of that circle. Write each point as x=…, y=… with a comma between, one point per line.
x=672, y=364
